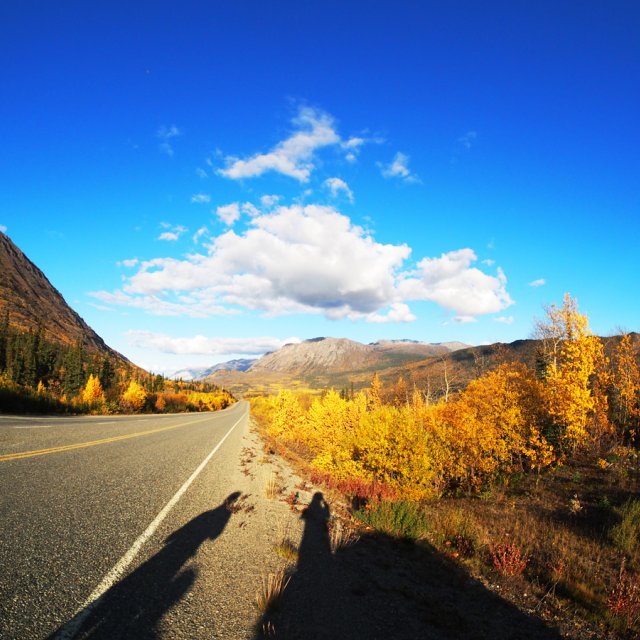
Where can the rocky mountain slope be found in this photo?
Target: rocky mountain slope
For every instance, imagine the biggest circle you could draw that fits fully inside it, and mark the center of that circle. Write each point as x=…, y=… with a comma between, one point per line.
x=32, y=301
x=324, y=355
x=328, y=362
x=200, y=373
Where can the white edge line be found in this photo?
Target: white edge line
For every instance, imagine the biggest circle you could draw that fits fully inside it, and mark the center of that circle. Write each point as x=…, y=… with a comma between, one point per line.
x=72, y=627
x=36, y=426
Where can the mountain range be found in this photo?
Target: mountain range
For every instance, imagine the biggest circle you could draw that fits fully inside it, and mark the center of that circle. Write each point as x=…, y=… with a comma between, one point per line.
x=32, y=303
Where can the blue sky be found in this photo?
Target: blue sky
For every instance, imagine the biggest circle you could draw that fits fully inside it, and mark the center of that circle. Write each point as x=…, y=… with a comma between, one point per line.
x=206, y=180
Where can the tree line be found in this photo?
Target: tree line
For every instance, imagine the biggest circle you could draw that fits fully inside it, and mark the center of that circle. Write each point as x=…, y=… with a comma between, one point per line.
x=42, y=376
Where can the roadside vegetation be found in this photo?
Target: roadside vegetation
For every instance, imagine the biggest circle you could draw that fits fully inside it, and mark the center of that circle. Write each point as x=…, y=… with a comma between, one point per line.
x=528, y=477
x=40, y=376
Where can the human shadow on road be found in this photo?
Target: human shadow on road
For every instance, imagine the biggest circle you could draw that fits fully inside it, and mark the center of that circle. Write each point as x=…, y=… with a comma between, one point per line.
x=133, y=607
x=381, y=588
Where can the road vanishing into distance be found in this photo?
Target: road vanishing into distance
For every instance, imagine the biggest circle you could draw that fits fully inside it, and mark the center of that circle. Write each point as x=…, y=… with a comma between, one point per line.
x=95, y=511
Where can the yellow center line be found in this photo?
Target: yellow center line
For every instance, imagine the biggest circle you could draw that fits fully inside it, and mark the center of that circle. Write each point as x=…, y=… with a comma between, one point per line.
x=81, y=445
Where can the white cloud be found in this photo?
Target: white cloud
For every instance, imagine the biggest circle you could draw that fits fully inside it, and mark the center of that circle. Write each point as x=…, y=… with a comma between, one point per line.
x=489, y=262
x=201, y=345
x=169, y=236
x=453, y=283
x=336, y=185
x=310, y=259
x=166, y=134
x=399, y=312
x=202, y=231
x=504, y=319
x=3, y=228
x=201, y=198
x=158, y=306
x=269, y=201
x=100, y=307
x=464, y=319
x=228, y=213
x=293, y=157
x=132, y=262
x=352, y=147
x=353, y=143
x=173, y=232
x=538, y=283
x=399, y=168
x=468, y=139
x=250, y=209
x=201, y=173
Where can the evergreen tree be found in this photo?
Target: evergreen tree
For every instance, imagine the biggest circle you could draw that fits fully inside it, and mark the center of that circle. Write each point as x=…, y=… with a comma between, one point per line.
x=4, y=339
x=73, y=370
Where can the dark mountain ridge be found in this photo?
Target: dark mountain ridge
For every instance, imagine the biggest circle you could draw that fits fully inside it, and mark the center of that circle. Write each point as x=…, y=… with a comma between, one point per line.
x=32, y=302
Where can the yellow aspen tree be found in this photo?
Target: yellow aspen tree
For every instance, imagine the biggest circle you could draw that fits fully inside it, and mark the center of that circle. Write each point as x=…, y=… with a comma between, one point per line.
x=288, y=416
x=400, y=393
x=92, y=392
x=41, y=388
x=569, y=374
x=601, y=429
x=375, y=392
x=626, y=388
x=134, y=397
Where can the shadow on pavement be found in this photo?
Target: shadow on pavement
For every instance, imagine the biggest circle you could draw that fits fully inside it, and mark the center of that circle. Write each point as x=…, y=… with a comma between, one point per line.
x=133, y=607
x=382, y=588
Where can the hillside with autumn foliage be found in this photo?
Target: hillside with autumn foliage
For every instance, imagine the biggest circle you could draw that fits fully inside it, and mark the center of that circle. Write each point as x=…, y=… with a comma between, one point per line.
x=51, y=361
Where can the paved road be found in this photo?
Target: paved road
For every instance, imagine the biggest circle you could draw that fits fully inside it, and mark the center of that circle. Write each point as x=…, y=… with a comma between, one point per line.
x=73, y=507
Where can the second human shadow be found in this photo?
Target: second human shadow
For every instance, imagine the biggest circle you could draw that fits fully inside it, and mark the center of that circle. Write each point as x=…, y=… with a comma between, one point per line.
x=381, y=588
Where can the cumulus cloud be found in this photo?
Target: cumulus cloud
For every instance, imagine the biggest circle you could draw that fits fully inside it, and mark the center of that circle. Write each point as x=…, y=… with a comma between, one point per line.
x=399, y=168
x=453, y=283
x=201, y=198
x=228, y=213
x=310, y=259
x=337, y=185
x=538, y=283
x=504, y=319
x=293, y=157
x=202, y=345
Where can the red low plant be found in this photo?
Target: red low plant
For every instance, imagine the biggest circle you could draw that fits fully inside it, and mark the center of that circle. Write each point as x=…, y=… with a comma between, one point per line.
x=624, y=600
x=509, y=559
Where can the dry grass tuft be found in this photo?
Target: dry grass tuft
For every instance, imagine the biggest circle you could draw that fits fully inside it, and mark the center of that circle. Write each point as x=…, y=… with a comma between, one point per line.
x=271, y=589
x=285, y=547
x=340, y=537
x=287, y=550
x=272, y=488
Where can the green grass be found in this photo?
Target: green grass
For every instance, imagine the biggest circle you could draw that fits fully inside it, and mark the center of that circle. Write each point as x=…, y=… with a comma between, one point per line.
x=626, y=534
x=400, y=519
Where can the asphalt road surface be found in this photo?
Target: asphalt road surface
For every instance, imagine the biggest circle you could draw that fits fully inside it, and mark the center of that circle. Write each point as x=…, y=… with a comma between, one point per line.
x=85, y=503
